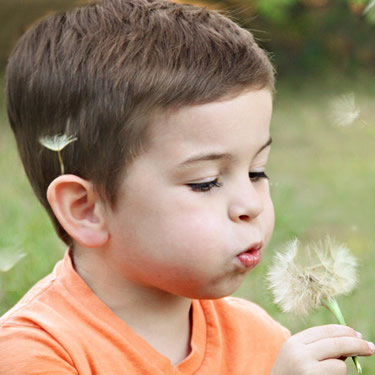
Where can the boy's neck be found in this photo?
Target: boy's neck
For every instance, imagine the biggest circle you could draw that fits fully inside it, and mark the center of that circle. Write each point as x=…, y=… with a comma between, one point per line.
x=160, y=318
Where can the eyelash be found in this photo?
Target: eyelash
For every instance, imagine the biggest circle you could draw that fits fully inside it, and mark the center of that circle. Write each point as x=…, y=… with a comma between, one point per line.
x=205, y=186
x=209, y=185
x=256, y=176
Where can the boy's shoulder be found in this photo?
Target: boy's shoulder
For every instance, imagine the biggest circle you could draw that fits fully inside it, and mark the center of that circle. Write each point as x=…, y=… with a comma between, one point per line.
x=54, y=305
x=53, y=312
x=31, y=301
x=25, y=336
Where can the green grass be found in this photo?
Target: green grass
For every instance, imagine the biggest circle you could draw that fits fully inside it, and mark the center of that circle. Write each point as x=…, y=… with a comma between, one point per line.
x=323, y=181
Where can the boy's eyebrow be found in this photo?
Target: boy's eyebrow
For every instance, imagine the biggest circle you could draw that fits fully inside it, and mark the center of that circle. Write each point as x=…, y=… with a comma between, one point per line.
x=218, y=156
x=206, y=157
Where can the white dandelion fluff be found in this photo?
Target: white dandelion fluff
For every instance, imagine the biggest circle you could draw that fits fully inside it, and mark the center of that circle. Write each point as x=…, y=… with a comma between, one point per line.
x=369, y=7
x=9, y=257
x=57, y=143
x=344, y=110
x=304, y=277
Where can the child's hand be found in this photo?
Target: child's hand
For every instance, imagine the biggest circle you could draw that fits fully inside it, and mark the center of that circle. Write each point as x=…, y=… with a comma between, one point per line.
x=320, y=350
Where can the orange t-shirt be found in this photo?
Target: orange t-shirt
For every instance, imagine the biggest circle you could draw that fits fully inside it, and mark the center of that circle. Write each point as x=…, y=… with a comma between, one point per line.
x=61, y=327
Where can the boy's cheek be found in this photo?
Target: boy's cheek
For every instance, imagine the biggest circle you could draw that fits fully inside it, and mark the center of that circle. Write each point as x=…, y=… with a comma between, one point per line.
x=268, y=220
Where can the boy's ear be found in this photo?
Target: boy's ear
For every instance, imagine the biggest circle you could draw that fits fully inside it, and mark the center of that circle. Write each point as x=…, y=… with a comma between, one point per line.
x=79, y=210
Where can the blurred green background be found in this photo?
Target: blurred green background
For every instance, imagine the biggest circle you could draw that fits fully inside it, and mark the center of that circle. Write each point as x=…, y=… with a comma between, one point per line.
x=322, y=175
x=304, y=36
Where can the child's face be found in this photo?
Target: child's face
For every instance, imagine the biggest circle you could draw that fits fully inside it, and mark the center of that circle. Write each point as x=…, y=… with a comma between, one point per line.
x=196, y=200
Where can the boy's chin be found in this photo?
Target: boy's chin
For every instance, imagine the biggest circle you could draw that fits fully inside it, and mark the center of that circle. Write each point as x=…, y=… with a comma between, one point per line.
x=218, y=291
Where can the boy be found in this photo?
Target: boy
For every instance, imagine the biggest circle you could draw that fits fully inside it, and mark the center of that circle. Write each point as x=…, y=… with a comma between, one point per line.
x=163, y=199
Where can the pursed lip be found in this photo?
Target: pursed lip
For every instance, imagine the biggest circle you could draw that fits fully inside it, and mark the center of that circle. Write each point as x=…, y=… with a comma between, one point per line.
x=250, y=257
x=256, y=246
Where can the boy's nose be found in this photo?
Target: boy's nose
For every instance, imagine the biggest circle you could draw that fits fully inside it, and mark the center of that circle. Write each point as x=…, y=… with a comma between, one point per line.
x=246, y=204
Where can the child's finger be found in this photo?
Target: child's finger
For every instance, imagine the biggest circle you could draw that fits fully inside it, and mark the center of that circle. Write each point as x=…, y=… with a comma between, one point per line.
x=333, y=367
x=314, y=334
x=337, y=347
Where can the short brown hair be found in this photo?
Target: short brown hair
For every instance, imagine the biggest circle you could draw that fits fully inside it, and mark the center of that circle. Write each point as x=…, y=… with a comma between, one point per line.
x=99, y=72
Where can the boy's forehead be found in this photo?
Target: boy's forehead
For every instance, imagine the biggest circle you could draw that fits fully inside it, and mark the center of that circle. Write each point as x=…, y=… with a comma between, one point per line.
x=215, y=125
x=250, y=103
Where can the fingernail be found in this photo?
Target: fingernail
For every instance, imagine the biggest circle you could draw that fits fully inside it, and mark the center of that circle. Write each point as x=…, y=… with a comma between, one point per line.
x=359, y=334
x=371, y=346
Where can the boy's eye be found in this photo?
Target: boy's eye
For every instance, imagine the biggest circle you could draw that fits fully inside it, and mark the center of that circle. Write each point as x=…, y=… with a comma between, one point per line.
x=256, y=176
x=204, y=186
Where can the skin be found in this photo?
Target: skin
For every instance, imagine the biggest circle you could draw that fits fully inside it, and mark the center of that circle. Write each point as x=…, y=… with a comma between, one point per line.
x=188, y=240
x=320, y=350
x=187, y=207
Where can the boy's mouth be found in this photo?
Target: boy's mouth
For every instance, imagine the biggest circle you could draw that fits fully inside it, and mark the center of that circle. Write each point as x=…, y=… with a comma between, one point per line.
x=251, y=257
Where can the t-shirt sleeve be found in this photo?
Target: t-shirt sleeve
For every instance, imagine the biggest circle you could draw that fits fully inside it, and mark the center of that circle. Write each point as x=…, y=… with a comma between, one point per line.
x=28, y=350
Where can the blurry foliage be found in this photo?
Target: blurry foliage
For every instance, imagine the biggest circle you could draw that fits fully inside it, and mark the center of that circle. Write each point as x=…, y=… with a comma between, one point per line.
x=303, y=35
x=308, y=36
x=17, y=15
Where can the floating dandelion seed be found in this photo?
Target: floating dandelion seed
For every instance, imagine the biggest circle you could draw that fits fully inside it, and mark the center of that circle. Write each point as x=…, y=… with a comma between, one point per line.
x=9, y=257
x=344, y=110
x=57, y=143
x=305, y=277
x=369, y=6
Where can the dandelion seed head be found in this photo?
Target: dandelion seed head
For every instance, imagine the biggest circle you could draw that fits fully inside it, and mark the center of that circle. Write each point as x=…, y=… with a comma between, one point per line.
x=56, y=142
x=344, y=110
x=302, y=277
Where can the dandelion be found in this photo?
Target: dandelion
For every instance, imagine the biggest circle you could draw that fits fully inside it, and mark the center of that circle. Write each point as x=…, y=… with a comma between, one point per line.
x=57, y=143
x=306, y=277
x=9, y=257
x=304, y=280
x=369, y=6
x=344, y=110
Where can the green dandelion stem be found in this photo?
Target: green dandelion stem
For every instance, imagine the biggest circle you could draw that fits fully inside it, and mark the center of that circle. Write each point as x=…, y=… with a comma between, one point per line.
x=334, y=307
x=61, y=162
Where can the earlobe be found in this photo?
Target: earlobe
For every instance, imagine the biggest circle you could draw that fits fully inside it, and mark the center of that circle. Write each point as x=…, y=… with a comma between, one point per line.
x=79, y=210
